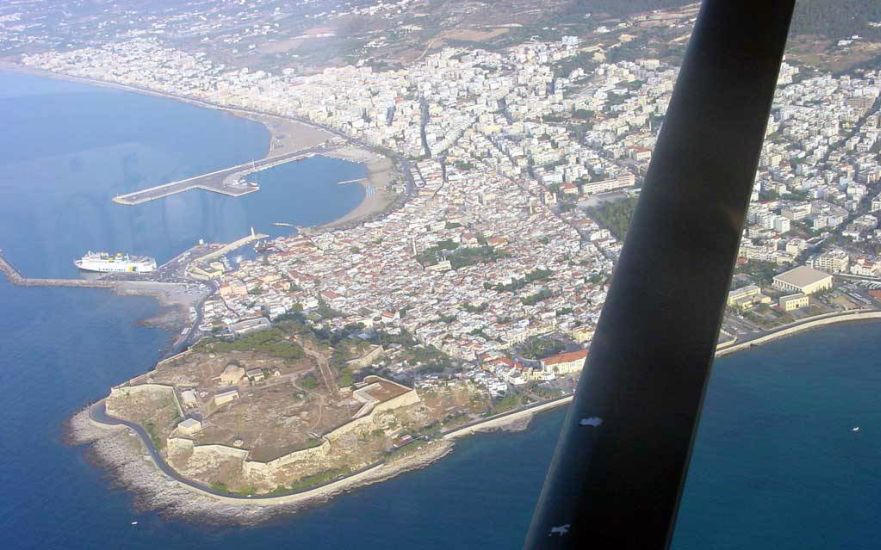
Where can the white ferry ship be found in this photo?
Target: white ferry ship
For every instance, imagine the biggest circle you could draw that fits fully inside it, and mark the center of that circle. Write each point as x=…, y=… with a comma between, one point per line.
x=102, y=262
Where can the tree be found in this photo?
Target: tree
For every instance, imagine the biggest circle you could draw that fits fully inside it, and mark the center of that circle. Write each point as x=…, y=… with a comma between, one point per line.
x=346, y=377
x=539, y=347
x=614, y=216
x=835, y=18
x=309, y=382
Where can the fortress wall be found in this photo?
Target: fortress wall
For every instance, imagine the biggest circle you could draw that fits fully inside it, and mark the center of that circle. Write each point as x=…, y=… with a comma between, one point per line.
x=366, y=359
x=223, y=451
x=173, y=358
x=179, y=445
x=355, y=426
x=204, y=456
x=264, y=471
x=309, y=457
x=404, y=400
x=207, y=460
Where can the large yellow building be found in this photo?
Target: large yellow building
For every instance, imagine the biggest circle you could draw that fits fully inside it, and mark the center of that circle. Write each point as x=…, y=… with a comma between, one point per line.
x=803, y=279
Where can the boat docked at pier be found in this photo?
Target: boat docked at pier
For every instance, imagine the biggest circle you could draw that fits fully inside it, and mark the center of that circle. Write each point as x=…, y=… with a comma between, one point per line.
x=103, y=262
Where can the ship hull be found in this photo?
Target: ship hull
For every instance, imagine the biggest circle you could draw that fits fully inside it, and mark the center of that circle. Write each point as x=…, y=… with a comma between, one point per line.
x=115, y=266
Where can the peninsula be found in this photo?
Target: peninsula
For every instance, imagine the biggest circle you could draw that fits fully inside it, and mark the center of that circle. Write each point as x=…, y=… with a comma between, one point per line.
x=470, y=284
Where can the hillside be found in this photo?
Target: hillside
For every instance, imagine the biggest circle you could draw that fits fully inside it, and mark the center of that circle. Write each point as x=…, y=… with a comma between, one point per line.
x=837, y=18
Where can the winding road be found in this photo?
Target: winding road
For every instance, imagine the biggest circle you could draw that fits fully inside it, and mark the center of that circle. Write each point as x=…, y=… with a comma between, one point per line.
x=98, y=414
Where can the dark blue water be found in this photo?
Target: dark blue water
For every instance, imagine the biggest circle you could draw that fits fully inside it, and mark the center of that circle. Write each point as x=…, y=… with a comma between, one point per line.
x=67, y=149
x=776, y=464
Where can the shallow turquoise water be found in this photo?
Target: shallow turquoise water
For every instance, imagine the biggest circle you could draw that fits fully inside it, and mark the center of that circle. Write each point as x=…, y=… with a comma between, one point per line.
x=777, y=464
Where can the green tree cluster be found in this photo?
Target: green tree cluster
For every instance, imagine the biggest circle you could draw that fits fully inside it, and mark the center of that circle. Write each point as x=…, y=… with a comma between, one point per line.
x=614, y=216
x=539, y=347
x=539, y=296
x=272, y=341
x=836, y=18
x=517, y=284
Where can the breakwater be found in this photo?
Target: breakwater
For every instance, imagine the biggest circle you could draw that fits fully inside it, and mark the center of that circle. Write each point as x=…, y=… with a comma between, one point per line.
x=227, y=248
x=228, y=181
x=16, y=278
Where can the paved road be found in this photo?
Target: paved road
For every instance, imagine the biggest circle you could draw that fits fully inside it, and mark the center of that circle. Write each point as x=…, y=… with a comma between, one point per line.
x=98, y=413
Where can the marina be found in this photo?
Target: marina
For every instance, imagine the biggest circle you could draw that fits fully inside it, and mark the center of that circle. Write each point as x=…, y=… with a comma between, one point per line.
x=228, y=181
x=106, y=339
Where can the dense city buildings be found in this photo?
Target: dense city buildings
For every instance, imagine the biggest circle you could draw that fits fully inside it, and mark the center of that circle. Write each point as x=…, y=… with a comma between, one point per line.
x=504, y=148
x=496, y=243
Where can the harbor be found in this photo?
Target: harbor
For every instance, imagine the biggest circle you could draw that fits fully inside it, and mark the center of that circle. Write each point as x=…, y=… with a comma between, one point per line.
x=17, y=279
x=174, y=272
x=230, y=181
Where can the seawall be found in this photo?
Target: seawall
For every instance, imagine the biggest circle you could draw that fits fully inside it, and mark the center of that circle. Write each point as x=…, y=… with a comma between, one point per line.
x=847, y=317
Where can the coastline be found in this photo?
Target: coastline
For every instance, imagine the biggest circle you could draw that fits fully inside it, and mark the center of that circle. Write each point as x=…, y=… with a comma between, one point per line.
x=116, y=449
x=175, y=301
x=376, y=185
x=123, y=454
x=802, y=326
x=120, y=450
x=275, y=124
x=286, y=135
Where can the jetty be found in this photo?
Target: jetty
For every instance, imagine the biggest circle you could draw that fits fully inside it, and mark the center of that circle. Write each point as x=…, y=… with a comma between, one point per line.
x=17, y=279
x=227, y=248
x=169, y=275
x=228, y=181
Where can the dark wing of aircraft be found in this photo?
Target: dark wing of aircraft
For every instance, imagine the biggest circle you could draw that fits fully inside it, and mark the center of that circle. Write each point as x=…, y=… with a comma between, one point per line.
x=619, y=467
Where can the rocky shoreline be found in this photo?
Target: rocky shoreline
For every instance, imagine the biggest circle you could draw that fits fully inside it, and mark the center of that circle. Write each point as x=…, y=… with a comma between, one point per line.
x=119, y=451
x=123, y=455
x=174, y=302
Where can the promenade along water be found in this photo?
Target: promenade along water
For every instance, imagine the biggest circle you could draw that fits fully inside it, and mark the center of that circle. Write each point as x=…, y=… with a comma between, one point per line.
x=776, y=465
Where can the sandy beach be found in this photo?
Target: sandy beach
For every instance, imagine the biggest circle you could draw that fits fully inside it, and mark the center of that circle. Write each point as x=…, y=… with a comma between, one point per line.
x=377, y=185
x=122, y=452
x=287, y=135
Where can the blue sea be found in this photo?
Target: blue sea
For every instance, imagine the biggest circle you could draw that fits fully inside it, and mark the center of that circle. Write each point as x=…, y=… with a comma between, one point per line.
x=776, y=465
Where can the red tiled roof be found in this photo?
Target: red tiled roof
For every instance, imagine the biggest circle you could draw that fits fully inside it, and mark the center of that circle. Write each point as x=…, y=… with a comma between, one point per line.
x=567, y=357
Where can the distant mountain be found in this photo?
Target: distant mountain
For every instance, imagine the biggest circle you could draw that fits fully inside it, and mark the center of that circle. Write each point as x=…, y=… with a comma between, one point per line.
x=837, y=18
x=307, y=35
x=627, y=7
x=829, y=18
